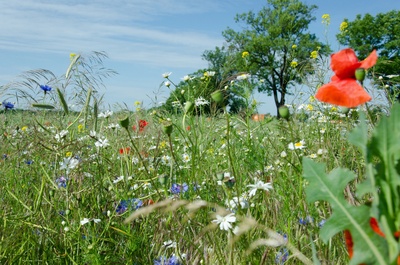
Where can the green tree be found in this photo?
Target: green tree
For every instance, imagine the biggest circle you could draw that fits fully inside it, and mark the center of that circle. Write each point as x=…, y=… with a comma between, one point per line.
x=380, y=32
x=279, y=49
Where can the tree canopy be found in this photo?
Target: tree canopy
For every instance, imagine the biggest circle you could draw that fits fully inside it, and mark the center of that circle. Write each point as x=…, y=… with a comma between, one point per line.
x=277, y=44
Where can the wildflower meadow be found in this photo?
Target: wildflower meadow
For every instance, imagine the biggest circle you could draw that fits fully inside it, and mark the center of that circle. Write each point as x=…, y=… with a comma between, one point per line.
x=199, y=183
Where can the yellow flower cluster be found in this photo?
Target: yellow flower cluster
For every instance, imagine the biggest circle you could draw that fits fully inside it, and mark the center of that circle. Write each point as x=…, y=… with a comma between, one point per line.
x=343, y=26
x=293, y=64
x=326, y=19
x=314, y=54
x=245, y=54
x=294, y=46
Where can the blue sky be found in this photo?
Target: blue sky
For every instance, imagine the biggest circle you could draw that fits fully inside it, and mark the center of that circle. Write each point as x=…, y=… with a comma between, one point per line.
x=143, y=38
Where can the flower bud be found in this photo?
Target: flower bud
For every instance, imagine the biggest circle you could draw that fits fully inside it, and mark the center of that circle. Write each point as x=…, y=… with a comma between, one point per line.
x=189, y=106
x=284, y=112
x=218, y=96
x=360, y=74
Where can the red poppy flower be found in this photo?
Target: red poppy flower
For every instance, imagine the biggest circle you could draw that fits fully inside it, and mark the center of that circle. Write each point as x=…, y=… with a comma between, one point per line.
x=142, y=125
x=124, y=151
x=374, y=225
x=344, y=90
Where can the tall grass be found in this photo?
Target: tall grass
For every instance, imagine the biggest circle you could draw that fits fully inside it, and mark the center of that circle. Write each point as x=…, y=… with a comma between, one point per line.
x=148, y=197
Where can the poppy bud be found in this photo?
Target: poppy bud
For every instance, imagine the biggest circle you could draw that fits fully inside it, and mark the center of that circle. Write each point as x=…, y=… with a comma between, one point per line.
x=124, y=122
x=360, y=74
x=189, y=106
x=167, y=128
x=217, y=96
x=284, y=112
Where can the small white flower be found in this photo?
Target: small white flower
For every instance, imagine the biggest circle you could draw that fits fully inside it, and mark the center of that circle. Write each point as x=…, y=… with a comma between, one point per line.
x=69, y=163
x=167, y=83
x=169, y=244
x=96, y=221
x=120, y=178
x=259, y=185
x=201, y=101
x=102, y=143
x=225, y=222
x=105, y=114
x=283, y=154
x=298, y=145
x=166, y=75
x=61, y=135
x=85, y=221
x=66, y=229
x=186, y=158
x=236, y=201
x=186, y=78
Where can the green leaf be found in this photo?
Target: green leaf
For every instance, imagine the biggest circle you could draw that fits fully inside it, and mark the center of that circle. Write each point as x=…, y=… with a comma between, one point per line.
x=368, y=246
x=62, y=101
x=73, y=62
x=42, y=106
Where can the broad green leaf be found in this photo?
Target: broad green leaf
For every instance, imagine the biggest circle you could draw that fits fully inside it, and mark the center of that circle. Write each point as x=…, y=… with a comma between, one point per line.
x=368, y=246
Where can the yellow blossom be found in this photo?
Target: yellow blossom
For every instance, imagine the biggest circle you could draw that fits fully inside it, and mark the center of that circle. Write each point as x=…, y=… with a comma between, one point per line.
x=68, y=154
x=326, y=19
x=72, y=56
x=334, y=109
x=24, y=128
x=245, y=54
x=293, y=64
x=137, y=103
x=311, y=99
x=309, y=107
x=314, y=54
x=294, y=46
x=163, y=144
x=80, y=128
x=343, y=26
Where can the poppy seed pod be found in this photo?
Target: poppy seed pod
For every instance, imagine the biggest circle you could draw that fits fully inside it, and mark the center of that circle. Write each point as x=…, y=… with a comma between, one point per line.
x=124, y=122
x=284, y=112
x=167, y=128
x=360, y=74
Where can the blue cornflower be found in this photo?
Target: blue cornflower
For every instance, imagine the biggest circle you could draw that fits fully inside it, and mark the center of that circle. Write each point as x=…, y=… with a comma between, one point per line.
x=165, y=261
x=46, y=88
x=282, y=256
x=29, y=162
x=177, y=188
x=321, y=223
x=7, y=105
x=306, y=220
x=61, y=182
x=124, y=205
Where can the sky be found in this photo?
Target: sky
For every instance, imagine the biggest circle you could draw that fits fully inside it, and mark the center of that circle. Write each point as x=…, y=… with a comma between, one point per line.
x=142, y=38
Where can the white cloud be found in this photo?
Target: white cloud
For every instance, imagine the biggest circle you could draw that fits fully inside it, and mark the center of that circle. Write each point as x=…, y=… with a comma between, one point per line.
x=123, y=29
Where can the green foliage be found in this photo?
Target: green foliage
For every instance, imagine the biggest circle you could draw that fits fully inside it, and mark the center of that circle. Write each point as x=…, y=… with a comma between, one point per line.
x=274, y=38
x=381, y=184
x=380, y=32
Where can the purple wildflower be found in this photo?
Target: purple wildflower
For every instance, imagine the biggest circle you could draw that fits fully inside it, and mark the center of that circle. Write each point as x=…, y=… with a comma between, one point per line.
x=61, y=182
x=7, y=105
x=177, y=188
x=45, y=88
x=124, y=205
x=282, y=256
x=165, y=261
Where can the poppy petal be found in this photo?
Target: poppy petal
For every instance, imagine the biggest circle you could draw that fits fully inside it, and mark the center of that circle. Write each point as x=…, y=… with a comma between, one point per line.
x=374, y=225
x=344, y=63
x=370, y=60
x=346, y=93
x=349, y=242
